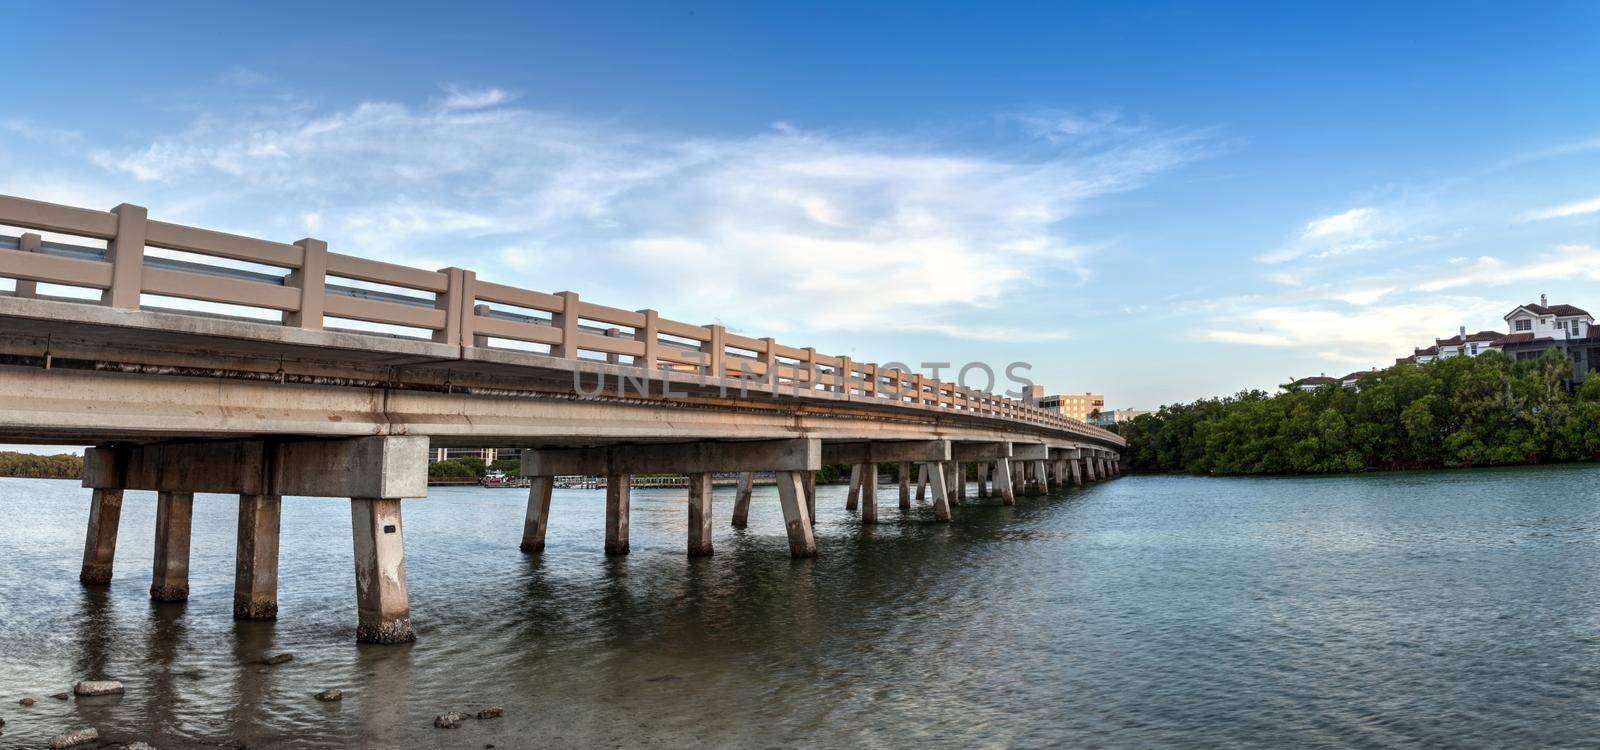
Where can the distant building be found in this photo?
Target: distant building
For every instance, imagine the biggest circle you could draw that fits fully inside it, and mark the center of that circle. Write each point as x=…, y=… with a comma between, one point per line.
x=489, y=455
x=1117, y=416
x=1074, y=405
x=1312, y=383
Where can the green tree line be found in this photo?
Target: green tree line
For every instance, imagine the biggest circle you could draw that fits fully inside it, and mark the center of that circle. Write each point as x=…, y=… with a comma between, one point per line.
x=62, y=466
x=1462, y=411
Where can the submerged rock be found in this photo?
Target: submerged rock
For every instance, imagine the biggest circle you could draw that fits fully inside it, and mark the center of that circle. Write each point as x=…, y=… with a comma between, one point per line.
x=276, y=659
x=97, y=687
x=26, y=701
x=331, y=694
x=72, y=739
x=60, y=696
x=449, y=720
x=492, y=712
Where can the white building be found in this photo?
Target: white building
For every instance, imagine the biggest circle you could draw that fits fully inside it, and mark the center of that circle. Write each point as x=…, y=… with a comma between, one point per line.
x=1546, y=321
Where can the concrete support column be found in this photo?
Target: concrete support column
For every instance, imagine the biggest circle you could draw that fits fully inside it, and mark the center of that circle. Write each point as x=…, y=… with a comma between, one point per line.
x=699, y=515
x=938, y=473
x=1088, y=469
x=961, y=482
x=174, y=512
x=538, y=518
x=950, y=480
x=905, y=486
x=255, y=572
x=983, y=478
x=1072, y=468
x=1002, y=482
x=796, y=521
x=869, y=493
x=1019, y=481
x=922, y=482
x=741, y=503
x=808, y=480
x=854, y=497
x=1105, y=467
x=383, y=609
x=617, y=497
x=100, y=541
x=1041, y=471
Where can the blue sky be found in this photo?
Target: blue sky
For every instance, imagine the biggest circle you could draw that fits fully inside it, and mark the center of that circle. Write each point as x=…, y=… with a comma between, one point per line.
x=1155, y=201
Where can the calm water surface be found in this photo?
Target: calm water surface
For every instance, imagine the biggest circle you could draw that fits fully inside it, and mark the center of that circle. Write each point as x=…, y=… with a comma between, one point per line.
x=1418, y=609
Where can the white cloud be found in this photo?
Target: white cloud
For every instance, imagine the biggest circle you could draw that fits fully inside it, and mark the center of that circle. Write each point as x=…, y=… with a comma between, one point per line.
x=788, y=227
x=1567, y=262
x=1366, y=335
x=1565, y=210
x=1351, y=222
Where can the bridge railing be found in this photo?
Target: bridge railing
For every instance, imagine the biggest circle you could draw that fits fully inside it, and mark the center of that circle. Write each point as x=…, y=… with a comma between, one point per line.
x=133, y=263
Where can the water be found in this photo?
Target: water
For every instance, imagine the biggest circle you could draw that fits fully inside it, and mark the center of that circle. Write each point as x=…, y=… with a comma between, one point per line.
x=1421, y=609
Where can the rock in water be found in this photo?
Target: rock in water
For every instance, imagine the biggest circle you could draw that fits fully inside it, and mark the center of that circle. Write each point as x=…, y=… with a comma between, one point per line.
x=331, y=694
x=26, y=701
x=97, y=687
x=60, y=696
x=71, y=739
x=139, y=746
x=449, y=721
x=276, y=659
x=492, y=712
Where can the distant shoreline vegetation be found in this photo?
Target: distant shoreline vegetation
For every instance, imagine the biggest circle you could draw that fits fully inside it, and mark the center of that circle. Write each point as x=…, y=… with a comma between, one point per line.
x=34, y=466
x=1488, y=410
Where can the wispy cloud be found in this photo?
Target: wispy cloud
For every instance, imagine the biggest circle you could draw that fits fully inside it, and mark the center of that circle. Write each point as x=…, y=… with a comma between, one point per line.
x=789, y=227
x=1565, y=210
x=1339, y=333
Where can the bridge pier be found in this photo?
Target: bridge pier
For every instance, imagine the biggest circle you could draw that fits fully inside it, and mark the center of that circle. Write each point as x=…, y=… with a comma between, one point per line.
x=100, y=541
x=383, y=608
x=808, y=481
x=905, y=485
x=961, y=483
x=1002, y=481
x=741, y=501
x=922, y=482
x=983, y=478
x=869, y=494
x=618, y=492
x=854, y=498
x=797, y=522
x=937, y=474
x=1041, y=471
x=170, y=573
x=700, y=515
x=255, y=573
x=538, y=516
x=1088, y=470
x=1077, y=475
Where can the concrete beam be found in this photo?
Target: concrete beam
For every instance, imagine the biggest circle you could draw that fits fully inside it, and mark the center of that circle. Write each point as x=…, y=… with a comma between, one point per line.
x=969, y=451
x=886, y=452
x=380, y=467
x=1030, y=451
x=1063, y=454
x=800, y=454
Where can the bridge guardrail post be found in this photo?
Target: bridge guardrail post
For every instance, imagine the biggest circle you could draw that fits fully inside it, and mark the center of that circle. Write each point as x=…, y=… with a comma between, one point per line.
x=567, y=321
x=125, y=252
x=28, y=243
x=311, y=278
x=717, y=352
x=649, y=336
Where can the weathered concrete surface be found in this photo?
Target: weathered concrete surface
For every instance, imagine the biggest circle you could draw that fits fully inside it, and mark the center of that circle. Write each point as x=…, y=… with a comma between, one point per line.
x=618, y=492
x=853, y=497
x=700, y=515
x=808, y=480
x=885, y=452
x=383, y=609
x=905, y=486
x=380, y=466
x=100, y=541
x=255, y=574
x=1042, y=472
x=170, y=575
x=803, y=454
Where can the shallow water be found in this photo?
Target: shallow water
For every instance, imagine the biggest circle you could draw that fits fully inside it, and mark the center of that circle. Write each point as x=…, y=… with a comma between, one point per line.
x=1429, y=608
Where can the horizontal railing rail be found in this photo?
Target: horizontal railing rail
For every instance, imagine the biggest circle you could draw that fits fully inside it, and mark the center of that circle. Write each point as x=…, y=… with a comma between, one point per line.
x=450, y=306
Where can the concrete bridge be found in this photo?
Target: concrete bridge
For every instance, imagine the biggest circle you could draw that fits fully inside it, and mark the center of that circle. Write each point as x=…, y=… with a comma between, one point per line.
x=200, y=361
